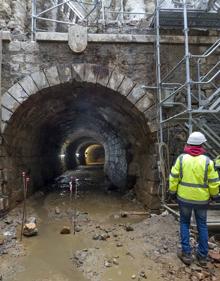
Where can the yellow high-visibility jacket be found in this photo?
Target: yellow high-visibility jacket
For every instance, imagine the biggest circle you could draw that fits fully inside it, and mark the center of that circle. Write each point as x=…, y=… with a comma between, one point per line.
x=217, y=162
x=194, y=179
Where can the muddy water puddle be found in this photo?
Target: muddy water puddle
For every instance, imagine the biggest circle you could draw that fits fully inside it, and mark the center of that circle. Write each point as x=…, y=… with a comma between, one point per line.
x=50, y=255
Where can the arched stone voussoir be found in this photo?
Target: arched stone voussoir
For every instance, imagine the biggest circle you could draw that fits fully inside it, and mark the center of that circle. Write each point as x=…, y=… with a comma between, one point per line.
x=40, y=80
x=136, y=94
x=65, y=73
x=52, y=76
x=28, y=85
x=91, y=73
x=18, y=93
x=9, y=102
x=104, y=76
x=145, y=102
x=115, y=80
x=78, y=72
x=126, y=86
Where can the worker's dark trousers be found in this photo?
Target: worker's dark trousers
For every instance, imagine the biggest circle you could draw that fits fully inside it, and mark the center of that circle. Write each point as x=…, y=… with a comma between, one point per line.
x=201, y=221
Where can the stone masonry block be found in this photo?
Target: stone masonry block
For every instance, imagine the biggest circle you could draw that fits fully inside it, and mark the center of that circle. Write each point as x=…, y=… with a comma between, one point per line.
x=103, y=76
x=5, y=175
x=3, y=126
x=9, y=103
x=151, y=113
x=126, y=86
x=152, y=187
x=52, y=75
x=90, y=73
x=78, y=72
x=65, y=73
x=28, y=85
x=14, y=46
x=2, y=204
x=40, y=79
x=18, y=93
x=152, y=176
x=30, y=47
x=153, y=126
x=115, y=80
x=6, y=114
x=19, y=58
x=136, y=94
x=144, y=103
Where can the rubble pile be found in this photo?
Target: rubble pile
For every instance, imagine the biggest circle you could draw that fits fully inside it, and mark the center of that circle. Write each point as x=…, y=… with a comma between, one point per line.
x=154, y=240
x=8, y=235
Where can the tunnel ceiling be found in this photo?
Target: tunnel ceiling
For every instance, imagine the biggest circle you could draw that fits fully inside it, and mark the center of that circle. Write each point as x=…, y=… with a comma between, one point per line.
x=60, y=111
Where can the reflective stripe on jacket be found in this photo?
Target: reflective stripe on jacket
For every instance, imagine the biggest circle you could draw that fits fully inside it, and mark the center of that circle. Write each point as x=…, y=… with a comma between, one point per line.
x=217, y=162
x=194, y=179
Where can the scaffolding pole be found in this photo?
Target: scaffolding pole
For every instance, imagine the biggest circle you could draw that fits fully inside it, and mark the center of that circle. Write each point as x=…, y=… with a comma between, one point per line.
x=160, y=109
x=33, y=20
x=159, y=92
x=1, y=37
x=187, y=60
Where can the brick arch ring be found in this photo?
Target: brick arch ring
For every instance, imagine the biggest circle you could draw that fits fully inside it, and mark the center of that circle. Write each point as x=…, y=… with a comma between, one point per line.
x=61, y=74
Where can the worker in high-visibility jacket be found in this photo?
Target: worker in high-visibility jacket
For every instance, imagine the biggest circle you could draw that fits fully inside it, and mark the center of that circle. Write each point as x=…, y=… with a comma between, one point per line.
x=217, y=163
x=194, y=181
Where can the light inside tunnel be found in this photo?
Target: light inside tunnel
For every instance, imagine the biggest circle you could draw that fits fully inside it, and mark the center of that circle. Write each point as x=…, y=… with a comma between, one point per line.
x=95, y=154
x=76, y=118
x=62, y=156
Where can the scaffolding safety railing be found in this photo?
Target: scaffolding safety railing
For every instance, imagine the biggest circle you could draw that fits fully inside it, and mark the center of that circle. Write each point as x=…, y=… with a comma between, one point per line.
x=90, y=14
x=196, y=109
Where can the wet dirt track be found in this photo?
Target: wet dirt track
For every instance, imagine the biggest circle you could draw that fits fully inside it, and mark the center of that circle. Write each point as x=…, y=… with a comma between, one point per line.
x=105, y=247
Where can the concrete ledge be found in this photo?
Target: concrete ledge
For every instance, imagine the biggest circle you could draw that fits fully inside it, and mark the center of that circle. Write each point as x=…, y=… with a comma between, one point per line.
x=127, y=38
x=5, y=35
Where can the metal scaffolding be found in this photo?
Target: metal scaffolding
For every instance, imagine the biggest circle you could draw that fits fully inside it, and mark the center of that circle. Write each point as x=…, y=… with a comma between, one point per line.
x=93, y=13
x=181, y=92
x=197, y=104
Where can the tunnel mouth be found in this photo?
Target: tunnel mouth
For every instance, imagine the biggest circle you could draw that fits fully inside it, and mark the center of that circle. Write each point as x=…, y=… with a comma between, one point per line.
x=94, y=155
x=46, y=131
x=84, y=152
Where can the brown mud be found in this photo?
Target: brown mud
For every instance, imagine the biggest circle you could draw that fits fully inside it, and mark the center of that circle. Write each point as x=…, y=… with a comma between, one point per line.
x=105, y=246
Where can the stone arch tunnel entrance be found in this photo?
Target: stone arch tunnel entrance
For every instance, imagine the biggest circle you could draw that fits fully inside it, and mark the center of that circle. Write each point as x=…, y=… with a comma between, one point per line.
x=54, y=118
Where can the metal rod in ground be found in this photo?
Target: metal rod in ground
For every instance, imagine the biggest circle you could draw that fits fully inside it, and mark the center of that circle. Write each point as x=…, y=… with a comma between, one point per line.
x=24, y=204
x=75, y=199
x=71, y=198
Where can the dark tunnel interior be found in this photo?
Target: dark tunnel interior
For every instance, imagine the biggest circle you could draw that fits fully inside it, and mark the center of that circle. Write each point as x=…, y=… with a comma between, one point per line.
x=73, y=124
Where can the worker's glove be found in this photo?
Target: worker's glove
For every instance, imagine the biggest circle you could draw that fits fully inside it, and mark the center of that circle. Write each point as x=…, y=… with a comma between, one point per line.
x=216, y=198
x=171, y=196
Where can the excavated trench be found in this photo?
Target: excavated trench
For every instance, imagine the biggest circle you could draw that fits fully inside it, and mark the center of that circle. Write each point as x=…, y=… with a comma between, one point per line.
x=72, y=124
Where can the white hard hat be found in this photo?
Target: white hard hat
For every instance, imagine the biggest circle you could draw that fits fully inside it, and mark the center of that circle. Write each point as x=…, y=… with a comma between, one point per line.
x=196, y=138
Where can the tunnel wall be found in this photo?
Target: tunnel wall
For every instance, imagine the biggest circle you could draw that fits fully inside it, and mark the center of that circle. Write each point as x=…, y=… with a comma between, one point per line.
x=135, y=61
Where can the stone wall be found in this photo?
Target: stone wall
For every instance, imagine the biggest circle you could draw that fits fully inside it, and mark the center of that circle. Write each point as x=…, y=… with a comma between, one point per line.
x=16, y=17
x=22, y=58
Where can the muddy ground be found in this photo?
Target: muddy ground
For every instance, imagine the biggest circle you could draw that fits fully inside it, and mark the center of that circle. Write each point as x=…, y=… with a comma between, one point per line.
x=105, y=247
